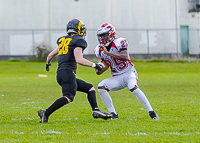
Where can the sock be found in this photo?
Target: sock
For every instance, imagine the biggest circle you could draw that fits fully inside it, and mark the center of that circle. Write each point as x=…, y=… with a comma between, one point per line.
x=91, y=96
x=107, y=100
x=142, y=99
x=56, y=105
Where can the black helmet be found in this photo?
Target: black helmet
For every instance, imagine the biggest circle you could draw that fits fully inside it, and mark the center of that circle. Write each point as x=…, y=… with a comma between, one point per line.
x=76, y=26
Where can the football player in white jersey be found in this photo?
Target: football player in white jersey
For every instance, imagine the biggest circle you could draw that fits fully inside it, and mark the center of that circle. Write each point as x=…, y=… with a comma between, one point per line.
x=114, y=52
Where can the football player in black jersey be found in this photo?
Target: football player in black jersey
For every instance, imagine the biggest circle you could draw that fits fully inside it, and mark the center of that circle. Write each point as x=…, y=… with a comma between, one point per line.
x=70, y=52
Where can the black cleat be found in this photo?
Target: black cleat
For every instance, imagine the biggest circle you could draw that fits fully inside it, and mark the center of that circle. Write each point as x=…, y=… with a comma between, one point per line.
x=114, y=116
x=43, y=117
x=101, y=114
x=153, y=115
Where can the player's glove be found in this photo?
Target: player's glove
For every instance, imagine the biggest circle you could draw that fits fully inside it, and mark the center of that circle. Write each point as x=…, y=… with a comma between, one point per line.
x=47, y=66
x=97, y=66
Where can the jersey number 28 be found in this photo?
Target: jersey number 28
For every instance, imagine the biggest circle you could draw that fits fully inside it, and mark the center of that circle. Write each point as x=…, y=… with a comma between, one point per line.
x=63, y=46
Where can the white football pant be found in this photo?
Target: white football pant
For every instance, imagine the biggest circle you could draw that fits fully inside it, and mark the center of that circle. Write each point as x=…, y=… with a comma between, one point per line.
x=128, y=79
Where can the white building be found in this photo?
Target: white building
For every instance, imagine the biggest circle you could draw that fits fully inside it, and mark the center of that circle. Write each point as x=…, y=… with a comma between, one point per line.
x=150, y=26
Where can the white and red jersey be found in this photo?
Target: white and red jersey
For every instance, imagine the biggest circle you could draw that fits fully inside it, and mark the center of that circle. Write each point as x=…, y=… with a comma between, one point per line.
x=117, y=66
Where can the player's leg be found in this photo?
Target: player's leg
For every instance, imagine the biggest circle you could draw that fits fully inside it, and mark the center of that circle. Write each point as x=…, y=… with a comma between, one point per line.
x=68, y=82
x=109, y=84
x=90, y=91
x=91, y=96
x=134, y=88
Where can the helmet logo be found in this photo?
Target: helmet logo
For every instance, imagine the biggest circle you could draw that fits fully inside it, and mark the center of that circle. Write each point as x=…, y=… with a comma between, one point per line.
x=76, y=26
x=80, y=31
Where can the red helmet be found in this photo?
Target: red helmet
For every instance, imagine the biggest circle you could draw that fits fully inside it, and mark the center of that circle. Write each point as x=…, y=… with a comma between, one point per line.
x=103, y=29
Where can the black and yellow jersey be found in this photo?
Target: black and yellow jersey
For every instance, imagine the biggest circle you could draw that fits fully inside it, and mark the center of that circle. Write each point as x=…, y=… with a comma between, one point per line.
x=66, y=46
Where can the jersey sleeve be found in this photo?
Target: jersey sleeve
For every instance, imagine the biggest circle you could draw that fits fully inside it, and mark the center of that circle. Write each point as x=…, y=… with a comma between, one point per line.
x=121, y=44
x=81, y=43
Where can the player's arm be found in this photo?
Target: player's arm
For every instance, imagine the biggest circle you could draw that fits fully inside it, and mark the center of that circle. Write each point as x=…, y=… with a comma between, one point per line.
x=123, y=55
x=50, y=57
x=82, y=61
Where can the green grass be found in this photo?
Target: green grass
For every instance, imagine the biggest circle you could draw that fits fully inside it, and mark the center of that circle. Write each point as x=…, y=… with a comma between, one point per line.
x=172, y=89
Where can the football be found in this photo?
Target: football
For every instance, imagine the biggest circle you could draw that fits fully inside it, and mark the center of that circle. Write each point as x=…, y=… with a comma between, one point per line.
x=104, y=65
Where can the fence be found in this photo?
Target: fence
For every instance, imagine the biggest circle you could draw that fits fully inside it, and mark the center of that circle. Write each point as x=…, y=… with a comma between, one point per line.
x=143, y=42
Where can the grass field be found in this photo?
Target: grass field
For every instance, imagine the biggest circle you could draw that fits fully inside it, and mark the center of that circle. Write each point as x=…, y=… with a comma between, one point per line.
x=172, y=89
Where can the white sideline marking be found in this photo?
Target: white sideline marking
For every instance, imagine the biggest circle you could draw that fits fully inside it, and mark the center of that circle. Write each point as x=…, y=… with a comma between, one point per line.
x=177, y=133
x=129, y=133
x=106, y=133
x=33, y=102
x=131, y=119
x=21, y=119
x=51, y=132
x=18, y=107
x=138, y=133
x=103, y=133
x=16, y=132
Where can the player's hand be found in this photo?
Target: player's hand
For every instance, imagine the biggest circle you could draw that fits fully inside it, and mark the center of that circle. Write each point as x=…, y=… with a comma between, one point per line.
x=104, y=49
x=47, y=66
x=98, y=72
x=98, y=67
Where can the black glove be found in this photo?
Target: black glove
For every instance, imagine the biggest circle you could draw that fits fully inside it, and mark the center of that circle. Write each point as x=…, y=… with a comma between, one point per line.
x=47, y=66
x=98, y=66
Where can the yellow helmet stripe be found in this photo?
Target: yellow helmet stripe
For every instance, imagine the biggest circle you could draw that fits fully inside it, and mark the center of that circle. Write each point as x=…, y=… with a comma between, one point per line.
x=79, y=27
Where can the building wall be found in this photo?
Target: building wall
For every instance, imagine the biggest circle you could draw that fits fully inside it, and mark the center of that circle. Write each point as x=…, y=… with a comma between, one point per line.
x=133, y=19
x=128, y=14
